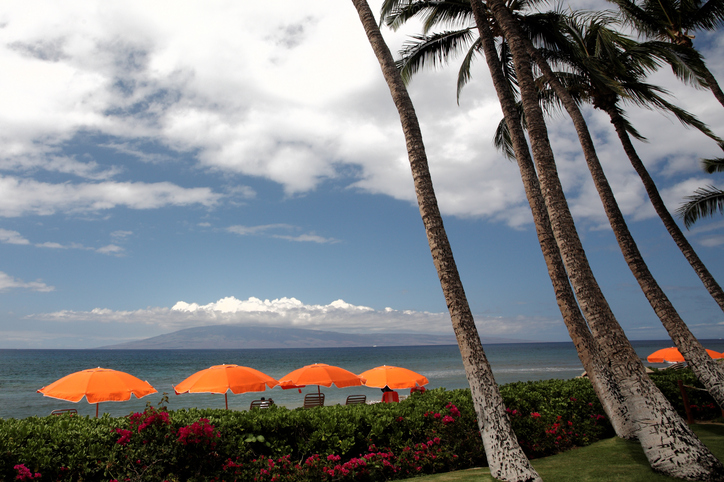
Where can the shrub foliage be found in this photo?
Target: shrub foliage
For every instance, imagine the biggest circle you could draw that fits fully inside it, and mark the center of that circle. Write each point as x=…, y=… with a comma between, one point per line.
x=426, y=433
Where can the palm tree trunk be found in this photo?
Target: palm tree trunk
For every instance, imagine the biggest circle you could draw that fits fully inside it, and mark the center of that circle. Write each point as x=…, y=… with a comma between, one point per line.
x=709, y=372
x=505, y=457
x=669, y=444
x=713, y=85
x=598, y=370
x=688, y=251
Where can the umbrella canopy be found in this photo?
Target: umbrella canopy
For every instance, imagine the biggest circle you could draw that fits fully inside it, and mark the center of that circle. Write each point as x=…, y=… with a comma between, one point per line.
x=672, y=355
x=393, y=377
x=98, y=385
x=222, y=378
x=320, y=374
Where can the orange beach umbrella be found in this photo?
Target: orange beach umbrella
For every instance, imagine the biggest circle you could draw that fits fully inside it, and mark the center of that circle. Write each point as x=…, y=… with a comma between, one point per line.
x=393, y=377
x=673, y=355
x=222, y=378
x=98, y=385
x=320, y=374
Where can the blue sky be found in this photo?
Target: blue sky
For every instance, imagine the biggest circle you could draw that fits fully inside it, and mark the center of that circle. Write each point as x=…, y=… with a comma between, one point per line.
x=165, y=165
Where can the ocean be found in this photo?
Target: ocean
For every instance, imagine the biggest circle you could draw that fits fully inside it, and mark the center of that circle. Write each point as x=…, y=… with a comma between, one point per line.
x=23, y=372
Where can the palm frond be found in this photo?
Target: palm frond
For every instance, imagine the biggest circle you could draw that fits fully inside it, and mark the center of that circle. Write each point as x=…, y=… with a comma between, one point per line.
x=637, y=17
x=502, y=140
x=708, y=17
x=705, y=201
x=435, y=50
x=713, y=165
x=652, y=99
x=446, y=13
x=464, y=74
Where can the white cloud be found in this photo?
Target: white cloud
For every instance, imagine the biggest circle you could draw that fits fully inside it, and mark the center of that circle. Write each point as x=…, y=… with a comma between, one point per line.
x=111, y=249
x=12, y=237
x=20, y=197
x=337, y=316
x=7, y=283
x=121, y=235
x=268, y=230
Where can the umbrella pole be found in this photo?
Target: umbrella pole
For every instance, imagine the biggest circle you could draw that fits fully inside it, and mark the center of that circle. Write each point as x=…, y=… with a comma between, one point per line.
x=226, y=401
x=97, y=409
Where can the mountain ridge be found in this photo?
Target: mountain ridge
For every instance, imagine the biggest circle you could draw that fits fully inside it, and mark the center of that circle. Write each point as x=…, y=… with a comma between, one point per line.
x=245, y=337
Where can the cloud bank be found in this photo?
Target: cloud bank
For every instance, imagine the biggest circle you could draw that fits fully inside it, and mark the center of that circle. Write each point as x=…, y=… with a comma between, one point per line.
x=337, y=316
x=264, y=102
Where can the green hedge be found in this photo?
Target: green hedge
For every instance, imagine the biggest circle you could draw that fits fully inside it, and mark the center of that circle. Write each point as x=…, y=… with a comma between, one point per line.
x=427, y=433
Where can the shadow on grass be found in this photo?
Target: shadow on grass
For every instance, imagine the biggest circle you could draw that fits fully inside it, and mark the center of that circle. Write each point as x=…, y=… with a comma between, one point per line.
x=611, y=459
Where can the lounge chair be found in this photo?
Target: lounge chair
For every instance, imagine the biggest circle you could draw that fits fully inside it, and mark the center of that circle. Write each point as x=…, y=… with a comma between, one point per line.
x=261, y=404
x=356, y=400
x=65, y=411
x=389, y=397
x=313, y=400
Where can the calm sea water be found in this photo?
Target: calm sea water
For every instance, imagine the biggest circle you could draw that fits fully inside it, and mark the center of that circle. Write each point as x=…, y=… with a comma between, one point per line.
x=23, y=372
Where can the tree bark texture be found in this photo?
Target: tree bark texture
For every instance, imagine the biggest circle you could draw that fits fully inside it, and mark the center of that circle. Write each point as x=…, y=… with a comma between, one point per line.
x=597, y=369
x=713, y=85
x=709, y=282
x=709, y=372
x=505, y=457
x=669, y=444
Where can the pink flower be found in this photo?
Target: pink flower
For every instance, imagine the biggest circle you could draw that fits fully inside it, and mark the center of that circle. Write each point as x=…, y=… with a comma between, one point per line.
x=535, y=415
x=24, y=473
x=125, y=436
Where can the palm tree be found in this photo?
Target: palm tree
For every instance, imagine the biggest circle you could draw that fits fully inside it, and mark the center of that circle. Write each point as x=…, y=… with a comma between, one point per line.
x=438, y=50
x=674, y=21
x=647, y=402
x=599, y=372
x=669, y=444
x=505, y=457
x=608, y=76
x=606, y=67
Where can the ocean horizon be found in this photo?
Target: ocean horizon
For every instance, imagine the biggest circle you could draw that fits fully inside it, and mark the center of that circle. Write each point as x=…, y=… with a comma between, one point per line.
x=24, y=371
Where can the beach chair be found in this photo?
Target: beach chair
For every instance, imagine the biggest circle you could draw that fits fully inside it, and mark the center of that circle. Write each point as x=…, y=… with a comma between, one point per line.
x=313, y=400
x=261, y=404
x=65, y=411
x=389, y=397
x=356, y=400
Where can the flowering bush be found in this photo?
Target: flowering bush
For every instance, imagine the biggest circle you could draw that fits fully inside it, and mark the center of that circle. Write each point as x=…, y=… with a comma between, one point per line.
x=555, y=415
x=432, y=432
x=24, y=473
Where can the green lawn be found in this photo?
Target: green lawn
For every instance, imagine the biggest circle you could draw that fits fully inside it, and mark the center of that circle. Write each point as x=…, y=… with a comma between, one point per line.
x=607, y=460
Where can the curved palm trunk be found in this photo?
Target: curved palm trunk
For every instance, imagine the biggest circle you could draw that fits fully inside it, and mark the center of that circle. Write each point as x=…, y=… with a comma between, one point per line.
x=713, y=85
x=709, y=282
x=505, y=457
x=669, y=444
x=709, y=372
x=598, y=370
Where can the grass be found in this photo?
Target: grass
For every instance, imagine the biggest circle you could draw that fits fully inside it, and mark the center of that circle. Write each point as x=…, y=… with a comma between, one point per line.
x=610, y=459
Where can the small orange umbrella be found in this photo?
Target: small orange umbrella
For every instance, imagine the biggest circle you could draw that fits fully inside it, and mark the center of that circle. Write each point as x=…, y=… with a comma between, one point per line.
x=320, y=374
x=393, y=377
x=222, y=378
x=672, y=355
x=98, y=385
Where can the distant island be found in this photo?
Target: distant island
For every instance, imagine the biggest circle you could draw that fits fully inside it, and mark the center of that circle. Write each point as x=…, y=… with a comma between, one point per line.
x=233, y=337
